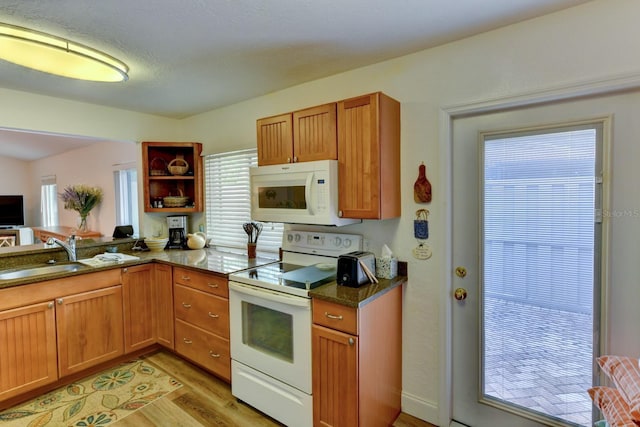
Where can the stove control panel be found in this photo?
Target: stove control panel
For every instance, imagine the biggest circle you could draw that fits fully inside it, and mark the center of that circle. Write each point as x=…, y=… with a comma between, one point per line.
x=318, y=243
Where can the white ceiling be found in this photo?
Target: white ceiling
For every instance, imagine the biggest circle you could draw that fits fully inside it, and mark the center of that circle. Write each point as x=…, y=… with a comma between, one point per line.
x=190, y=56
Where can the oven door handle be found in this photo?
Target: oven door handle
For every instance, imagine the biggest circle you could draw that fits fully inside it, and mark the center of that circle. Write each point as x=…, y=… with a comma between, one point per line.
x=270, y=295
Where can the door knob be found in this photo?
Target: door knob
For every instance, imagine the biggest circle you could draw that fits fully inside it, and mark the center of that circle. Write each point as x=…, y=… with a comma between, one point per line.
x=460, y=294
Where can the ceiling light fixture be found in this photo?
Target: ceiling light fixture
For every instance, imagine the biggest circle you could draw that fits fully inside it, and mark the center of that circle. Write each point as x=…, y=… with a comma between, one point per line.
x=55, y=55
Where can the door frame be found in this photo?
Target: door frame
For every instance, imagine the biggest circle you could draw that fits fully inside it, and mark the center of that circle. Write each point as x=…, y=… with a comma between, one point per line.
x=447, y=115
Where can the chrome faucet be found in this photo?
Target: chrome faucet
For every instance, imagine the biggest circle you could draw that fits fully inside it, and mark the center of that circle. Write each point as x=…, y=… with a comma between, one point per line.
x=70, y=247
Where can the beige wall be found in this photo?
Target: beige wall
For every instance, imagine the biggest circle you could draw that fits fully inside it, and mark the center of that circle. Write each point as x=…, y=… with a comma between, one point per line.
x=589, y=43
x=92, y=165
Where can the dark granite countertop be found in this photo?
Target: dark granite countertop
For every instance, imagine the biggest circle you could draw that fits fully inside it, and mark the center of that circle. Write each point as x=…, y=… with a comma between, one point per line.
x=207, y=260
x=40, y=255
x=356, y=297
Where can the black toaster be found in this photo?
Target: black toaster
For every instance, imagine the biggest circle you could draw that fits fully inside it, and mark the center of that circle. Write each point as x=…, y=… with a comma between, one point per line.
x=350, y=272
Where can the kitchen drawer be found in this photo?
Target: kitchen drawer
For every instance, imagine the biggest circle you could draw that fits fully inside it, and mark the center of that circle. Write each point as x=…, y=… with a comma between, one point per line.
x=209, y=312
x=211, y=283
x=335, y=316
x=206, y=349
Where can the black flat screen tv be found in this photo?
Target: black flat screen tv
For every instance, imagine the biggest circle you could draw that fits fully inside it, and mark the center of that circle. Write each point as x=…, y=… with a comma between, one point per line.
x=11, y=211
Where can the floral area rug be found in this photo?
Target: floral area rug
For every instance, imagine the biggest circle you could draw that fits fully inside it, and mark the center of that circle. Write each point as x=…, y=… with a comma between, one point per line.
x=97, y=401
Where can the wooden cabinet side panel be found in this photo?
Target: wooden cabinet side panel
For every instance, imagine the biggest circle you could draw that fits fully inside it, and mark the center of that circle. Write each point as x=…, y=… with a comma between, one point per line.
x=275, y=140
x=163, y=282
x=139, y=310
x=90, y=329
x=315, y=134
x=389, y=122
x=27, y=349
x=358, y=158
x=380, y=364
x=335, y=378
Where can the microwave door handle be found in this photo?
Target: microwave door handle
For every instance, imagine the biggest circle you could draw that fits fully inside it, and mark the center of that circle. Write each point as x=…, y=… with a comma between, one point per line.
x=307, y=193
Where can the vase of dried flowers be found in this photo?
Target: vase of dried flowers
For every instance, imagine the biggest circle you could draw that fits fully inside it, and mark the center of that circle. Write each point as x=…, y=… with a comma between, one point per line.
x=82, y=199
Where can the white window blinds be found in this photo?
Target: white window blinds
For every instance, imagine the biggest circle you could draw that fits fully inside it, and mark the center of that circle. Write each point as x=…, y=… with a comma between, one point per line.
x=48, y=201
x=228, y=201
x=125, y=179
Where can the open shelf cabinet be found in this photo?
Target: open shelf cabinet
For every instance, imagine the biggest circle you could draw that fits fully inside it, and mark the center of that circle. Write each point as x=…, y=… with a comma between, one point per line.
x=159, y=182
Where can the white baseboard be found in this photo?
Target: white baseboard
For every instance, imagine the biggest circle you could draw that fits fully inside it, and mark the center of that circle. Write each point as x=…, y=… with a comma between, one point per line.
x=420, y=408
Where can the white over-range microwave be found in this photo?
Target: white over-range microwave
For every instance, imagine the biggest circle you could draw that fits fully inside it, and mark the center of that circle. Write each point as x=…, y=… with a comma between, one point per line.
x=297, y=193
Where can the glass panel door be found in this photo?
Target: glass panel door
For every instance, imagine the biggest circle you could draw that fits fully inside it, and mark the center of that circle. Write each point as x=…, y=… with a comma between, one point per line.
x=537, y=309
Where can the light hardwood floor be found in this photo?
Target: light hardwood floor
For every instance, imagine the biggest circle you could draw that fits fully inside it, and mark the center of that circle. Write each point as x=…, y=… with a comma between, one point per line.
x=204, y=400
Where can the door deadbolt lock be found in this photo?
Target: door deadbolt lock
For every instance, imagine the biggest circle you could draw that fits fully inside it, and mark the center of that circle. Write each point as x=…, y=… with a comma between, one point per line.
x=461, y=272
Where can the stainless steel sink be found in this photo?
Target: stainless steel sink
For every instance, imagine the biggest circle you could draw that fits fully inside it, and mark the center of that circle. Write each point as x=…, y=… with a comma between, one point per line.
x=39, y=271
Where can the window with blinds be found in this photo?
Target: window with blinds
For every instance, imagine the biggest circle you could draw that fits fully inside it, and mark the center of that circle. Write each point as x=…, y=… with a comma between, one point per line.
x=228, y=201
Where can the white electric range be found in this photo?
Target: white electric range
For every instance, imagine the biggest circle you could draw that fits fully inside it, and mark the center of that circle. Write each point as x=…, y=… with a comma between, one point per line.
x=270, y=322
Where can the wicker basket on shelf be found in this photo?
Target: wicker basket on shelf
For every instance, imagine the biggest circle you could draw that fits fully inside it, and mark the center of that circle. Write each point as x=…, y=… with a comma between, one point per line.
x=158, y=167
x=176, y=201
x=178, y=166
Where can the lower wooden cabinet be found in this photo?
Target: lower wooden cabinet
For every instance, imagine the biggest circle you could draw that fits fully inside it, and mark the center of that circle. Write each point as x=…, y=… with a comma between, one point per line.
x=201, y=306
x=27, y=348
x=208, y=350
x=54, y=328
x=357, y=362
x=163, y=281
x=138, y=290
x=90, y=329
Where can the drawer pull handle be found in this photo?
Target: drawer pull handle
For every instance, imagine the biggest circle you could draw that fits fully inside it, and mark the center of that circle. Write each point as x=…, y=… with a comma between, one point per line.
x=212, y=354
x=333, y=316
x=187, y=341
x=212, y=285
x=213, y=315
x=186, y=305
x=187, y=278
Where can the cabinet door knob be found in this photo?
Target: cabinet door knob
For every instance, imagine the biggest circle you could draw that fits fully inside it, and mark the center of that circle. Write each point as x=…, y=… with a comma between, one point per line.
x=213, y=315
x=212, y=354
x=125, y=270
x=288, y=159
x=186, y=305
x=352, y=341
x=295, y=159
x=340, y=214
x=50, y=305
x=59, y=301
x=187, y=341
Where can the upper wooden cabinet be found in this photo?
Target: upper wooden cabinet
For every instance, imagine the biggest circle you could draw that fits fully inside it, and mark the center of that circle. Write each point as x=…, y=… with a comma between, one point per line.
x=302, y=136
x=369, y=157
x=161, y=179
